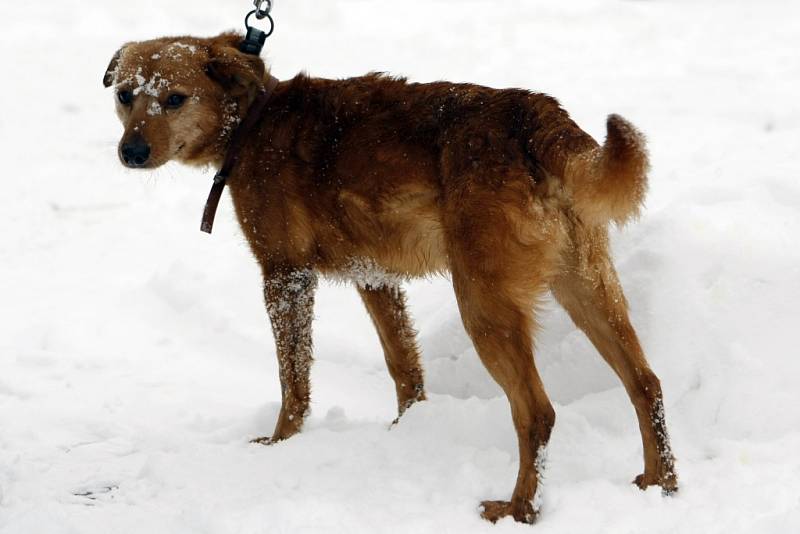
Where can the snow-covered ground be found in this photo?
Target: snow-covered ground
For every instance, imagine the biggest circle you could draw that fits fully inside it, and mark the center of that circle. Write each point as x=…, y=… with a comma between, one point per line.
x=136, y=359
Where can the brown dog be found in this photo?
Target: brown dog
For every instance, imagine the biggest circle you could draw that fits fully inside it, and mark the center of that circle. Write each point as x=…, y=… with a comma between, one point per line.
x=377, y=180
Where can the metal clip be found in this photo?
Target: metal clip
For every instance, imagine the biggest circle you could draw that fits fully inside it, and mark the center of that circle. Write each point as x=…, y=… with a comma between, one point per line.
x=255, y=38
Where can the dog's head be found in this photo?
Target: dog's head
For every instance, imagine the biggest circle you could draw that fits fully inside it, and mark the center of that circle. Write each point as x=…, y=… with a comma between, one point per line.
x=179, y=98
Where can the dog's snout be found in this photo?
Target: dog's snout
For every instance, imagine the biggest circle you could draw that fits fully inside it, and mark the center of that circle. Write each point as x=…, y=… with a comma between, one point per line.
x=135, y=153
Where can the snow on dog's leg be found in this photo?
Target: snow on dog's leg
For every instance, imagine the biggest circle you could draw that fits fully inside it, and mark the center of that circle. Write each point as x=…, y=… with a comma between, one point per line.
x=591, y=293
x=386, y=305
x=289, y=296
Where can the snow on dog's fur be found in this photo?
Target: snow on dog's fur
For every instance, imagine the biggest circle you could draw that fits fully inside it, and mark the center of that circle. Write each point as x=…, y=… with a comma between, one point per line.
x=498, y=187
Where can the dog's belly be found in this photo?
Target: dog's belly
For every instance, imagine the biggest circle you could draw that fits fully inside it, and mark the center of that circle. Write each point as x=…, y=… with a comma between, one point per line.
x=400, y=235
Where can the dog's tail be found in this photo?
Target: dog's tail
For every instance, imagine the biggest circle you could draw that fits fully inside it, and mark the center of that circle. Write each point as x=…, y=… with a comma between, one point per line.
x=603, y=183
x=609, y=182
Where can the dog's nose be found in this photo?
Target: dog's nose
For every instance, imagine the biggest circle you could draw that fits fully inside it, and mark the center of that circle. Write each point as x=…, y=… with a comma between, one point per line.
x=135, y=154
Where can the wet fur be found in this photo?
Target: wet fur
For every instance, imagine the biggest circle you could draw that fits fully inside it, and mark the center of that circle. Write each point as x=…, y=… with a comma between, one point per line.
x=377, y=180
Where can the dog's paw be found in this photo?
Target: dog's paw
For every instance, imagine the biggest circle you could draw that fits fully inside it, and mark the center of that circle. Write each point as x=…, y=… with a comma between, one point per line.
x=496, y=510
x=404, y=408
x=668, y=483
x=266, y=440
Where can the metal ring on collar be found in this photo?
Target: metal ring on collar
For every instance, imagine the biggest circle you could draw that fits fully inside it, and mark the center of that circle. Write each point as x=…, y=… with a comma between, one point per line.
x=267, y=16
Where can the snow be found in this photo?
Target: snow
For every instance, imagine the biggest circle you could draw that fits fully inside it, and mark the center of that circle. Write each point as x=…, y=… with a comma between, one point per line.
x=136, y=358
x=154, y=109
x=151, y=87
x=365, y=273
x=191, y=48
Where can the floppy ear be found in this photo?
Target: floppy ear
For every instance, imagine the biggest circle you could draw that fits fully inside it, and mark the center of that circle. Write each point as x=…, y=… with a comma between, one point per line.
x=108, y=77
x=240, y=74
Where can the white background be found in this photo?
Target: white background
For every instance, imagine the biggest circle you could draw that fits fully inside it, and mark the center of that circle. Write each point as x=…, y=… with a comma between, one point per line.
x=136, y=359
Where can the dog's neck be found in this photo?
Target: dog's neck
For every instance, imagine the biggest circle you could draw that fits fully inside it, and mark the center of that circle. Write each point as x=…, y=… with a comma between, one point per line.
x=213, y=154
x=244, y=130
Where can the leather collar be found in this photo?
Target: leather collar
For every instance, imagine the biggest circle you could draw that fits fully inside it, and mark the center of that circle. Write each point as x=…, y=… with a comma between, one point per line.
x=232, y=154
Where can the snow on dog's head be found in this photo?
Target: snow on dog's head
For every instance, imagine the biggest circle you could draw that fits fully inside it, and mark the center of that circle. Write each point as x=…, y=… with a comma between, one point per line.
x=179, y=98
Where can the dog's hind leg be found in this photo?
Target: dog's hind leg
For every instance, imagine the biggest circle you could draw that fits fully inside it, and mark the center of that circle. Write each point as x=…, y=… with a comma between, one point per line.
x=491, y=253
x=500, y=328
x=387, y=308
x=289, y=296
x=591, y=293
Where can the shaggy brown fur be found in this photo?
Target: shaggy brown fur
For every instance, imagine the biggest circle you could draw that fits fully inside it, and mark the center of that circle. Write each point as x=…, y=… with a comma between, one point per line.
x=377, y=180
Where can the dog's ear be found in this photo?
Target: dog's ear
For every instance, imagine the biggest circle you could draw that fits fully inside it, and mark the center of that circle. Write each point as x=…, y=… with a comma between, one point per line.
x=237, y=72
x=108, y=77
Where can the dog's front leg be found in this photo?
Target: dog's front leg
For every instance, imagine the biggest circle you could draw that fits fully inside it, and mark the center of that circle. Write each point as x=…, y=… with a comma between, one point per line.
x=289, y=295
x=387, y=308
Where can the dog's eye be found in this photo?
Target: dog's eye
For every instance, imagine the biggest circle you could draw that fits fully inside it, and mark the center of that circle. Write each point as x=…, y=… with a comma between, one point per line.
x=175, y=100
x=125, y=97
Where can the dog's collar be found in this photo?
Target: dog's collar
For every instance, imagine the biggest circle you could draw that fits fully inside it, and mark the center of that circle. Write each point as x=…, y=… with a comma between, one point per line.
x=232, y=155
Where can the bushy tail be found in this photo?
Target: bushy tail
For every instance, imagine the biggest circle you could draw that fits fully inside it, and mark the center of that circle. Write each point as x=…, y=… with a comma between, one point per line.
x=604, y=183
x=608, y=183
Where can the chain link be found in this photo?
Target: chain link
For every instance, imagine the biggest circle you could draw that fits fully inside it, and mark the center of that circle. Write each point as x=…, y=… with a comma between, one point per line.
x=263, y=8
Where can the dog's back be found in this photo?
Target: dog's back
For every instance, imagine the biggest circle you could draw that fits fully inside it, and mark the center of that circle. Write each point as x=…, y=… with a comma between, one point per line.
x=381, y=160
